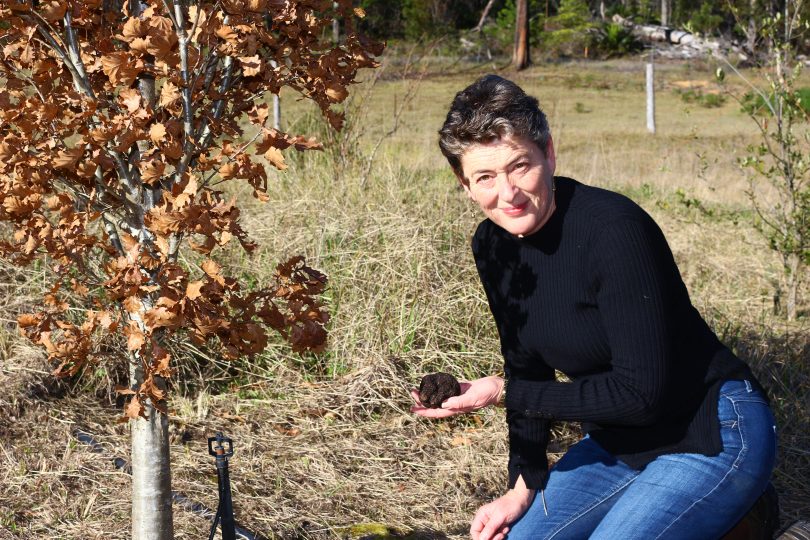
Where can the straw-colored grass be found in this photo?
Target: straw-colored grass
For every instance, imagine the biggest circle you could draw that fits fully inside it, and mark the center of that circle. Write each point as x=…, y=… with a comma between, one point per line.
x=325, y=443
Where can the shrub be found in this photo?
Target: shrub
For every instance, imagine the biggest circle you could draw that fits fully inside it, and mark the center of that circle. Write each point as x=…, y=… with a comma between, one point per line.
x=615, y=40
x=754, y=104
x=708, y=100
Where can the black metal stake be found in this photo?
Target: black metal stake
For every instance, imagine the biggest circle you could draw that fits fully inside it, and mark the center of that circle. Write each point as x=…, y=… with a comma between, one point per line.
x=225, y=508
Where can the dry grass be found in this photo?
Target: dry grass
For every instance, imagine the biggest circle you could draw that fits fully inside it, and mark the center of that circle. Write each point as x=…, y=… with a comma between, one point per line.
x=325, y=443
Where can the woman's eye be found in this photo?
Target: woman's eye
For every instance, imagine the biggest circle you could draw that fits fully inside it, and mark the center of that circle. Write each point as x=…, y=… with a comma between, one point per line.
x=483, y=179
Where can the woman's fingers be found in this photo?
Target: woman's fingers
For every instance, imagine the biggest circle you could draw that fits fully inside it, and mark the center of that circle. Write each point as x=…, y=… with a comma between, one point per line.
x=478, y=523
x=489, y=523
x=433, y=413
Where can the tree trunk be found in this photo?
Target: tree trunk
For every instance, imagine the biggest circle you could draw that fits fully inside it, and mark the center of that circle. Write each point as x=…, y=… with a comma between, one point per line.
x=520, y=56
x=151, y=478
x=665, y=9
x=751, y=32
x=151, y=465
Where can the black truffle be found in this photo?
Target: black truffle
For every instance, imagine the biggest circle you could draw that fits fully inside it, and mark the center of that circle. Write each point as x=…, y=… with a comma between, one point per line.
x=436, y=387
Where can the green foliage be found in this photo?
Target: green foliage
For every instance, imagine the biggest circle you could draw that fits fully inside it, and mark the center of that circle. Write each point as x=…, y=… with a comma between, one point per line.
x=753, y=103
x=698, y=97
x=571, y=31
x=423, y=17
x=502, y=33
x=615, y=40
x=383, y=19
x=580, y=108
x=705, y=20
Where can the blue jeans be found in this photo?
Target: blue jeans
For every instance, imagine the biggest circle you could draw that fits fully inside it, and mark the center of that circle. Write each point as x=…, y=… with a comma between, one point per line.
x=590, y=494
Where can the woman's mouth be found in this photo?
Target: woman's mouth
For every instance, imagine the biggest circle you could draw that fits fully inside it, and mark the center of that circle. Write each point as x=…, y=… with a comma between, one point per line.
x=515, y=210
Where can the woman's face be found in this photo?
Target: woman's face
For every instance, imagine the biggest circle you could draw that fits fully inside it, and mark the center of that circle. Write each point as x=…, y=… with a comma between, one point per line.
x=511, y=180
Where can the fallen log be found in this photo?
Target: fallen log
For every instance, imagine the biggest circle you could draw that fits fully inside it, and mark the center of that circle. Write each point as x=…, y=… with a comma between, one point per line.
x=682, y=44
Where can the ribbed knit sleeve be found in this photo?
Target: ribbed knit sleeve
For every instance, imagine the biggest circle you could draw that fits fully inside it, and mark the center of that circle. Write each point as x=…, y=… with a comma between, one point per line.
x=528, y=438
x=633, y=270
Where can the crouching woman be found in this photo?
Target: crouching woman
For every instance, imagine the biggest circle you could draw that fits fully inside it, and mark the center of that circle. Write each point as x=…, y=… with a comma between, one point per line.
x=679, y=439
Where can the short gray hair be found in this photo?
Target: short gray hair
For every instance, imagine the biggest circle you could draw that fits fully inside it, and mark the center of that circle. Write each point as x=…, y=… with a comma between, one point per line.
x=490, y=108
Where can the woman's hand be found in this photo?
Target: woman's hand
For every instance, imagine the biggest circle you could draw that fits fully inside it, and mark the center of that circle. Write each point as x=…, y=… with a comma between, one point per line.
x=492, y=520
x=475, y=395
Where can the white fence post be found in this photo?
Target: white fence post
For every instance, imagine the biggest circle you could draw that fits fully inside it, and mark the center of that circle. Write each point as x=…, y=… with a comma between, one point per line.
x=650, y=95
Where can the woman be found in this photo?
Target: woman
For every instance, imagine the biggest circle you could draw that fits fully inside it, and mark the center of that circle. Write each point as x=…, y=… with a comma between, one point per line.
x=679, y=440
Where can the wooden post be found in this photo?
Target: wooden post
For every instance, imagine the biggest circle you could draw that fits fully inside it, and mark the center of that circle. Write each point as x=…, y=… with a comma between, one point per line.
x=276, y=112
x=276, y=104
x=650, y=95
x=650, y=98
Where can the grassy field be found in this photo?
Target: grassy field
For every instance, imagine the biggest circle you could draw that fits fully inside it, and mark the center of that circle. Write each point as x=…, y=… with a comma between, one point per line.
x=326, y=443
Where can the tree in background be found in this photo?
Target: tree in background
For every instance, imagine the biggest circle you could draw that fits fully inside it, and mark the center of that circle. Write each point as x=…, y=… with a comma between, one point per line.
x=780, y=181
x=520, y=53
x=570, y=32
x=119, y=122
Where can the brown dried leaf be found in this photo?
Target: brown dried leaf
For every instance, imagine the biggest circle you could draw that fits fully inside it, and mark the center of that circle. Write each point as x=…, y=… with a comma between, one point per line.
x=133, y=29
x=134, y=409
x=130, y=98
x=28, y=319
x=228, y=34
x=132, y=304
x=152, y=171
x=66, y=159
x=251, y=65
x=228, y=170
x=336, y=92
x=157, y=132
x=119, y=68
x=276, y=158
x=193, y=289
x=169, y=94
x=135, y=338
x=52, y=11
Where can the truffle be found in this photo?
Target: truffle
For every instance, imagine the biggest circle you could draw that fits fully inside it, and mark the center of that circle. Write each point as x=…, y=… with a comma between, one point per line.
x=436, y=387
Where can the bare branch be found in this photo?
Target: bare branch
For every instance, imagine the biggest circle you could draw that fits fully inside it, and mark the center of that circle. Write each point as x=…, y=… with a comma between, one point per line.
x=188, y=110
x=78, y=80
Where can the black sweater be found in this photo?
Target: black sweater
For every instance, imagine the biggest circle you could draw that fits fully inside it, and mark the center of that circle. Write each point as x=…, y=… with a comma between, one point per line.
x=596, y=295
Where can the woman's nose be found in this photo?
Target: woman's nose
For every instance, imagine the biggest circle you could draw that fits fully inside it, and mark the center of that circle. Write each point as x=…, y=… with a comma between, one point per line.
x=507, y=189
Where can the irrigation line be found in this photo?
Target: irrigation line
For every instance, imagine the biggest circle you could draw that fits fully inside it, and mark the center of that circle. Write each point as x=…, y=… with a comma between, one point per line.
x=179, y=498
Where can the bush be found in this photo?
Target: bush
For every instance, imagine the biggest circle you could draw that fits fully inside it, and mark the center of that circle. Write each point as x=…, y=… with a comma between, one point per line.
x=615, y=40
x=707, y=100
x=754, y=104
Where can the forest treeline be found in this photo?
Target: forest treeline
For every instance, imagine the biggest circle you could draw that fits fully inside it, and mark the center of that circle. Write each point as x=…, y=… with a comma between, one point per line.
x=569, y=27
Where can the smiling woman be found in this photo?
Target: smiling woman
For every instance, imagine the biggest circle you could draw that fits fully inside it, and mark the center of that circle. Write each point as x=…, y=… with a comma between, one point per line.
x=512, y=180
x=680, y=440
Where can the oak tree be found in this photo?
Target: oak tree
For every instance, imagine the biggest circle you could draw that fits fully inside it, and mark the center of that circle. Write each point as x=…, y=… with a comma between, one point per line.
x=120, y=123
